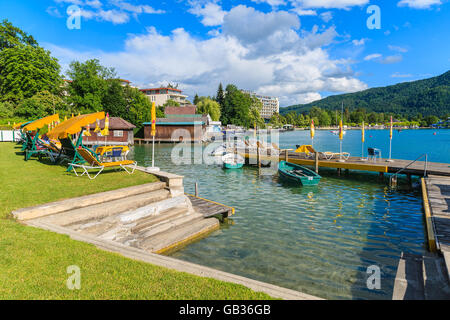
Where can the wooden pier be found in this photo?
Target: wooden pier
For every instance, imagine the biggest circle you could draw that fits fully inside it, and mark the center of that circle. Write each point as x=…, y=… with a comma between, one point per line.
x=438, y=194
x=355, y=163
x=210, y=208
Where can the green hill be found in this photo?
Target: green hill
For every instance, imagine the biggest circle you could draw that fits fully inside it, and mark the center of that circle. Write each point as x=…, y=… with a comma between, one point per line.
x=428, y=97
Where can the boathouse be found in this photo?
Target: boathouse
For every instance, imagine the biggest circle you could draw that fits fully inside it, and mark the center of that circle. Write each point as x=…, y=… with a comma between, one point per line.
x=120, y=133
x=176, y=129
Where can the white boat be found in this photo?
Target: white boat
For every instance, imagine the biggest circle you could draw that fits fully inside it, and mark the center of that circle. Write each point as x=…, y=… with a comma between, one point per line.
x=233, y=161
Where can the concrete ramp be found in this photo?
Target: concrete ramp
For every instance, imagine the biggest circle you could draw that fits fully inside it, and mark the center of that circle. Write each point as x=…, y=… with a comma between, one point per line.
x=148, y=217
x=421, y=278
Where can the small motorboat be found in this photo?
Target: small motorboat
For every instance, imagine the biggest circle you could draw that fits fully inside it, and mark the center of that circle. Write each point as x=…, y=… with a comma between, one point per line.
x=233, y=161
x=296, y=173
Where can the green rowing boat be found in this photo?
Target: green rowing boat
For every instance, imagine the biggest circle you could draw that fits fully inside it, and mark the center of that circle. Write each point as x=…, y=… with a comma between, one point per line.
x=297, y=173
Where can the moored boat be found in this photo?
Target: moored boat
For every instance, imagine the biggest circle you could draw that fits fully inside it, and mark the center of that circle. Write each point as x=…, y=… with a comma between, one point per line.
x=294, y=172
x=233, y=161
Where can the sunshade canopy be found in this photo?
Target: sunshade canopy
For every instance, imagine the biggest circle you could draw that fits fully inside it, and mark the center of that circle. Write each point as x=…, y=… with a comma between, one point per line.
x=74, y=125
x=21, y=125
x=38, y=124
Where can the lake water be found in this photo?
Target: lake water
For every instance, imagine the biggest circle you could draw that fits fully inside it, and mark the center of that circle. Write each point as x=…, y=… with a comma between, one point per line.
x=318, y=240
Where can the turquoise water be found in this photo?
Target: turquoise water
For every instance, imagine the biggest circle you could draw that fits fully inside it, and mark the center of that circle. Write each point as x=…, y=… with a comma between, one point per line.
x=319, y=240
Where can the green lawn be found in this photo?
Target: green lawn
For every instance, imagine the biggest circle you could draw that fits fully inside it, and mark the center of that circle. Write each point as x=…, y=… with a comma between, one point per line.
x=33, y=262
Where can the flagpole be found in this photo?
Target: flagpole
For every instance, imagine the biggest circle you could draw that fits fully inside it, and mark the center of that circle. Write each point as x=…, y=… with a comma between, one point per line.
x=390, y=142
x=153, y=153
x=153, y=133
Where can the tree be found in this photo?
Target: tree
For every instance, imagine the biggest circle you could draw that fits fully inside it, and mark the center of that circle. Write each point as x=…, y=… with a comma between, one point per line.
x=171, y=103
x=26, y=71
x=11, y=36
x=196, y=99
x=89, y=84
x=40, y=105
x=220, y=98
x=209, y=106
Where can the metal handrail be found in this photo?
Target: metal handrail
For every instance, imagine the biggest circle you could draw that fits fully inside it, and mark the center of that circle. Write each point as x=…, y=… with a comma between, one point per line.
x=394, y=176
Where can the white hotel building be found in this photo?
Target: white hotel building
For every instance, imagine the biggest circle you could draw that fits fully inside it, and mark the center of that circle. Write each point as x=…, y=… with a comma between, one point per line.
x=270, y=105
x=161, y=95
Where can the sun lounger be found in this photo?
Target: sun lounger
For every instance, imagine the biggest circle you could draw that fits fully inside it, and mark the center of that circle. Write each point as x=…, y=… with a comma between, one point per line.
x=330, y=155
x=93, y=163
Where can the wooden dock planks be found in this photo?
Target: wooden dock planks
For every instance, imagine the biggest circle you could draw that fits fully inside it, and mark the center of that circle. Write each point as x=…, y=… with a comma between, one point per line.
x=210, y=208
x=438, y=191
x=355, y=163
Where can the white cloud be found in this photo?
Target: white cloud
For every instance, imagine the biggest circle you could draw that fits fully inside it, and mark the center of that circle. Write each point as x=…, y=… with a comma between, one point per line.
x=360, y=42
x=372, y=56
x=250, y=25
x=400, y=75
x=199, y=65
x=328, y=4
x=392, y=59
x=419, y=4
x=273, y=3
x=303, y=12
x=388, y=60
x=326, y=16
x=211, y=13
x=117, y=11
x=397, y=48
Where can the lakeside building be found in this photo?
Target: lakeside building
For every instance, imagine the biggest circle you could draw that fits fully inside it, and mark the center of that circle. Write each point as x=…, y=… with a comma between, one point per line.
x=160, y=95
x=120, y=133
x=270, y=105
x=183, y=124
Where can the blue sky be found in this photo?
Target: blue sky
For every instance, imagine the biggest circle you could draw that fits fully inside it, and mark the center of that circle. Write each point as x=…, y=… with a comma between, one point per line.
x=298, y=50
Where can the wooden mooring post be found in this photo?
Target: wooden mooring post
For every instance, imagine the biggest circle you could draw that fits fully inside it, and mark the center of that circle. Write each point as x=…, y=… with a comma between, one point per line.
x=196, y=189
x=316, y=161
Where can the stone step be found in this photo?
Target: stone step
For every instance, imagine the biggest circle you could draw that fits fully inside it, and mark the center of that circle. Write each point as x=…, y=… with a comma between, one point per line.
x=409, y=284
x=180, y=235
x=435, y=275
x=76, y=218
x=169, y=224
x=421, y=278
x=85, y=201
x=147, y=222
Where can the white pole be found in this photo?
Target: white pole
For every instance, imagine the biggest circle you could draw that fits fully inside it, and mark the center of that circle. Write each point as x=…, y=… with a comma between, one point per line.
x=153, y=153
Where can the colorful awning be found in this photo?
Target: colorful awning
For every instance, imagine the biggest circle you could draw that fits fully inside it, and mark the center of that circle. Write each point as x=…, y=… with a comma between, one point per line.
x=74, y=125
x=38, y=124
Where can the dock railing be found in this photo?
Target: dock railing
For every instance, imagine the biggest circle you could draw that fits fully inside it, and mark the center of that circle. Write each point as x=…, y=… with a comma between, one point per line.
x=393, y=178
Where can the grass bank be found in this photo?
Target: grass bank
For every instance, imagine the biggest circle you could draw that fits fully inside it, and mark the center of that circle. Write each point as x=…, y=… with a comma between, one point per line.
x=33, y=262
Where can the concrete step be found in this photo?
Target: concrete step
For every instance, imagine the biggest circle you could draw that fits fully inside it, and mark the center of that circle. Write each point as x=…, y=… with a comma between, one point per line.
x=183, y=234
x=421, y=278
x=120, y=227
x=147, y=222
x=78, y=218
x=409, y=284
x=169, y=224
x=435, y=275
x=85, y=201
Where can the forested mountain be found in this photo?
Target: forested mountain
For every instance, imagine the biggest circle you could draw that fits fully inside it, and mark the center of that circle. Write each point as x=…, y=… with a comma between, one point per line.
x=427, y=97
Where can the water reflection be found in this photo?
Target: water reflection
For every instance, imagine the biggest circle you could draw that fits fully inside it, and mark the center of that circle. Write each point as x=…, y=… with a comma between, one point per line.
x=319, y=239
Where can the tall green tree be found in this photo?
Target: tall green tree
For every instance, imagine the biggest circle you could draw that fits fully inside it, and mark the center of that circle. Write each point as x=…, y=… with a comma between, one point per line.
x=220, y=97
x=26, y=71
x=196, y=99
x=89, y=84
x=40, y=105
x=209, y=106
x=11, y=36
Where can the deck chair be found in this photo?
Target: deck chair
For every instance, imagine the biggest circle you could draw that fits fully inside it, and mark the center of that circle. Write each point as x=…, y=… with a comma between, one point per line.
x=93, y=163
x=35, y=146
